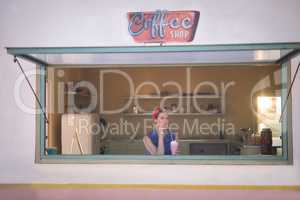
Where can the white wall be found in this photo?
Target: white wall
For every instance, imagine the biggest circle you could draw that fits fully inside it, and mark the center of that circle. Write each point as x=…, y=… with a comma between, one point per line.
x=100, y=23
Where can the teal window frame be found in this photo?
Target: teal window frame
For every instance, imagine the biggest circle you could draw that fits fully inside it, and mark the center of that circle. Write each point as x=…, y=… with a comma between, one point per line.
x=287, y=151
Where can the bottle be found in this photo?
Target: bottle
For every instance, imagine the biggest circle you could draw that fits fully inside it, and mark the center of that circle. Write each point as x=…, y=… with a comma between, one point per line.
x=266, y=141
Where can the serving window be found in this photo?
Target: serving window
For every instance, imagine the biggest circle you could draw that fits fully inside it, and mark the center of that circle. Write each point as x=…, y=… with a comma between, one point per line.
x=224, y=104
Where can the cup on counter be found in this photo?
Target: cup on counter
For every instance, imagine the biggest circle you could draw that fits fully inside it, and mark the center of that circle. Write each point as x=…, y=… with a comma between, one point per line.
x=52, y=151
x=174, y=147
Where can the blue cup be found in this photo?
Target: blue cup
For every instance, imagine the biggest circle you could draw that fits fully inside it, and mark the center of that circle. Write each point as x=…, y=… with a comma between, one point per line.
x=52, y=151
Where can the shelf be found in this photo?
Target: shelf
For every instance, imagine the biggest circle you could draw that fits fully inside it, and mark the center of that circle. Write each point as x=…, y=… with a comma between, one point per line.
x=189, y=98
x=78, y=94
x=175, y=114
x=174, y=97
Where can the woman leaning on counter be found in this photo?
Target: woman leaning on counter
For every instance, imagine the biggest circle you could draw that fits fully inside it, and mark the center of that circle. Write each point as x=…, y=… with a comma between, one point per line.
x=160, y=141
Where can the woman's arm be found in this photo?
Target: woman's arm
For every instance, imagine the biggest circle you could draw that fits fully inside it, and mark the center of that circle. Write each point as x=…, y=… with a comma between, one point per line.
x=160, y=150
x=161, y=146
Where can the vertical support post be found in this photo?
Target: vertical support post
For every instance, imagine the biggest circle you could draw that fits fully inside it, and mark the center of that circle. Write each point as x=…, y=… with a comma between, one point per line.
x=284, y=125
x=42, y=97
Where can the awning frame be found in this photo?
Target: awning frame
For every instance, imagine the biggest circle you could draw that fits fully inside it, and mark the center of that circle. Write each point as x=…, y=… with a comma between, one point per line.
x=25, y=53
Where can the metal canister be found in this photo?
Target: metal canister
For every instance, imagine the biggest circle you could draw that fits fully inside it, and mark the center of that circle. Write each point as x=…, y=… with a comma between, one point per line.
x=266, y=141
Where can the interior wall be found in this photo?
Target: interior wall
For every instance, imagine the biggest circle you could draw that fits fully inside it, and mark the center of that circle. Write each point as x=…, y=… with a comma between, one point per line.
x=56, y=79
x=95, y=23
x=237, y=96
x=116, y=92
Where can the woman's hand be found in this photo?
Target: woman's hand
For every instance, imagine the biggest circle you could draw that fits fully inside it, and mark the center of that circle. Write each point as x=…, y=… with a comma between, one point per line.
x=162, y=131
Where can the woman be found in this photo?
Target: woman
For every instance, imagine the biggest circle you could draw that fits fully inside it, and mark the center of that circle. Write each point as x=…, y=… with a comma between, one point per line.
x=158, y=142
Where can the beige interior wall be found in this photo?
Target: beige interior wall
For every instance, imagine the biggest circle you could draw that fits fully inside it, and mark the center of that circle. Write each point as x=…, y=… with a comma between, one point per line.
x=238, y=108
x=56, y=76
x=116, y=89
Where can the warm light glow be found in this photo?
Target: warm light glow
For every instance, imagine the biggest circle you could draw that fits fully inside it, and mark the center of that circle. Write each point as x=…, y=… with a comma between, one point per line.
x=269, y=105
x=264, y=103
x=269, y=111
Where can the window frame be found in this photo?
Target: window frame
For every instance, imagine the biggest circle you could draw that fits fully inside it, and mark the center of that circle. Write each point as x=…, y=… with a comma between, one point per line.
x=40, y=157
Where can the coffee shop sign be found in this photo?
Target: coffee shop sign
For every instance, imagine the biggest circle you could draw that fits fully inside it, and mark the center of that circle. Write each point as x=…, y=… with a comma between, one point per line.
x=163, y=26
